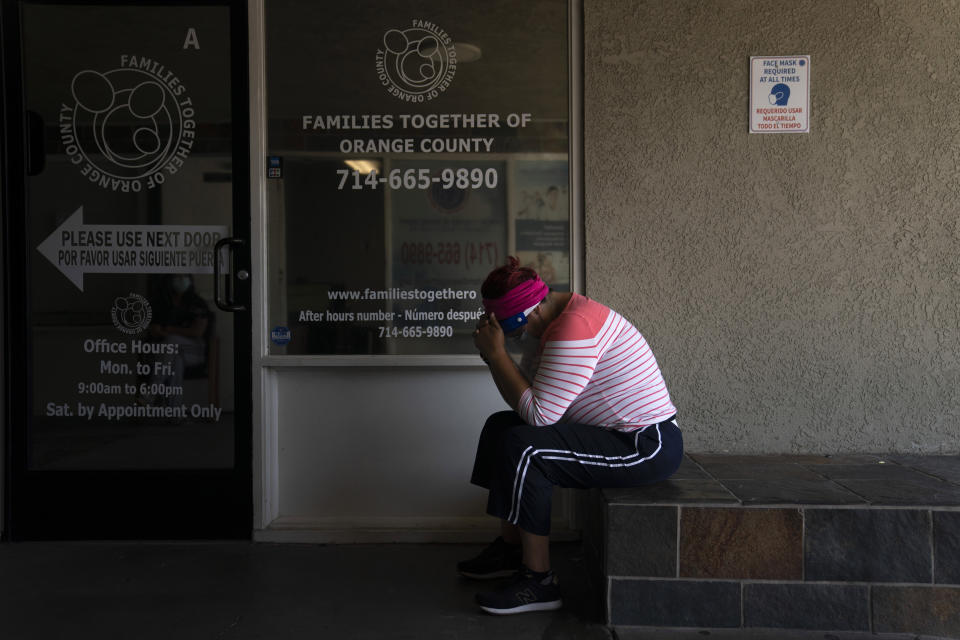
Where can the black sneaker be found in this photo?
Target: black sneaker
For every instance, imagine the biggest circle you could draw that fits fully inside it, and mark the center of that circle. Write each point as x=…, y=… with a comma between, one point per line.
x=528, y=592
x=498, y=560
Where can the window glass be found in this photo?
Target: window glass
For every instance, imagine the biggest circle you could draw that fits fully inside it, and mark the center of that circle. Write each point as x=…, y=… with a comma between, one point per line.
x=412, y=146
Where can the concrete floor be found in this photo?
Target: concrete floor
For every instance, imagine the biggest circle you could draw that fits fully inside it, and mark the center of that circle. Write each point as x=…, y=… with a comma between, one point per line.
x=235, y=590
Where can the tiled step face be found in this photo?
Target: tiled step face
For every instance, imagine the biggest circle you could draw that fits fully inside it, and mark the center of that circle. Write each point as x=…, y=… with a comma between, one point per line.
x=868, y=545
x=912, y=609
x=674, y=603
x=807, y=606
x=717, y=604
x=642, y=541
x=815, y=544
x=758, y=544
x=946, y=547
x=789, y=542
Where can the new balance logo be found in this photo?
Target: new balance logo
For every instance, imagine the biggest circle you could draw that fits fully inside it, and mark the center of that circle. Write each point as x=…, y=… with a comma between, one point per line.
x=526, y=596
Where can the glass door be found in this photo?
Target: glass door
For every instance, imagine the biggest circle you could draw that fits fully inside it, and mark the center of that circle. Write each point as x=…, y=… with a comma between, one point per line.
x=127, y=216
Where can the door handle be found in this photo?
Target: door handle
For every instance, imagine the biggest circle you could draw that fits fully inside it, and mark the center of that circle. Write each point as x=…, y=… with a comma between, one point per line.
x=224, y=299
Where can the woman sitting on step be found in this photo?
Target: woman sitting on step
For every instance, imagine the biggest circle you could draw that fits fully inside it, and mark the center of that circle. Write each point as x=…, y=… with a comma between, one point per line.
x=589, y=409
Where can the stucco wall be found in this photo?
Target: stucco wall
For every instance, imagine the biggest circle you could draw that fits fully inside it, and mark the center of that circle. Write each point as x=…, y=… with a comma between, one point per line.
x=801, y=291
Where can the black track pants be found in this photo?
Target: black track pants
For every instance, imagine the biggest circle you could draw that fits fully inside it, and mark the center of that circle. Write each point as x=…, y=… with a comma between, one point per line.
x=520, y=464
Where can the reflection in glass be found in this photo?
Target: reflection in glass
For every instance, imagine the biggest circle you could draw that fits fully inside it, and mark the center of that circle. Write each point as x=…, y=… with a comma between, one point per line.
x=184, y=328
x=410, y=170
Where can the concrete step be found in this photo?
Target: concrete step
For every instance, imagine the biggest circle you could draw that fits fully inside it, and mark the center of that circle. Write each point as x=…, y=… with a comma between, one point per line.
x=846, y=543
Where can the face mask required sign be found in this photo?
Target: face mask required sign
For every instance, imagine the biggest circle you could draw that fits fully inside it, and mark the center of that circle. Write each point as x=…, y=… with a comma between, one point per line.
x=780, y=94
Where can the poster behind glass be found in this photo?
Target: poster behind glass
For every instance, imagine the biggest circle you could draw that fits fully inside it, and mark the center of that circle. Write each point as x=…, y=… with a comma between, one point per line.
x=409, y=154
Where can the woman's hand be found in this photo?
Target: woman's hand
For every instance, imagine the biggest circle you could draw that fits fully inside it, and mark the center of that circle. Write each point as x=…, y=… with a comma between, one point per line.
x=489, y=341
x=488, y=337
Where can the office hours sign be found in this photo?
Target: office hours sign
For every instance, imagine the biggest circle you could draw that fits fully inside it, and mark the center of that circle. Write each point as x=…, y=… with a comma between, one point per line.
x=780, y=94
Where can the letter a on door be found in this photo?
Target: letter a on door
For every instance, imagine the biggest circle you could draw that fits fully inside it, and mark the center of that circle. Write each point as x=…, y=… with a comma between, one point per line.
x=191, y=40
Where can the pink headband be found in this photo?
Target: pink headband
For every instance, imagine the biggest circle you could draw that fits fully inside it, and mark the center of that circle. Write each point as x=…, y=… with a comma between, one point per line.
x=525, y=295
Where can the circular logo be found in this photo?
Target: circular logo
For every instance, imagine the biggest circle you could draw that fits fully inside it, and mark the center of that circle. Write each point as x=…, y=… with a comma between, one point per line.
x=131, y=314
x=127, y=128
x=280, y=335
x=416, y=64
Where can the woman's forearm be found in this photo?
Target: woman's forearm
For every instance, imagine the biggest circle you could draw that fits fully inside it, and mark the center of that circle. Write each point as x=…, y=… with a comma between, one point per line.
x=509, y=380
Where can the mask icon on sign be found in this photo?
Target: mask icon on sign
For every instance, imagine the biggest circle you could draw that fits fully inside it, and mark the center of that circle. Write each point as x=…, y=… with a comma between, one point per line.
x=779, y=95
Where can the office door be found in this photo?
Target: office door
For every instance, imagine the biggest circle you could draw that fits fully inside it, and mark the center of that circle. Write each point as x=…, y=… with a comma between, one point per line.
x=126, y=211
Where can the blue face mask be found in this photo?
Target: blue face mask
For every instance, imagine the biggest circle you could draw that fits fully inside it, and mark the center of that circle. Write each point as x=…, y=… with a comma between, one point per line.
x=513, y=323
x=517, y=320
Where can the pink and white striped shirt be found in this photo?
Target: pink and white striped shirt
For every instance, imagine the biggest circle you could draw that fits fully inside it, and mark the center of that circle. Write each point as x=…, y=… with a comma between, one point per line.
x=595, y=368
